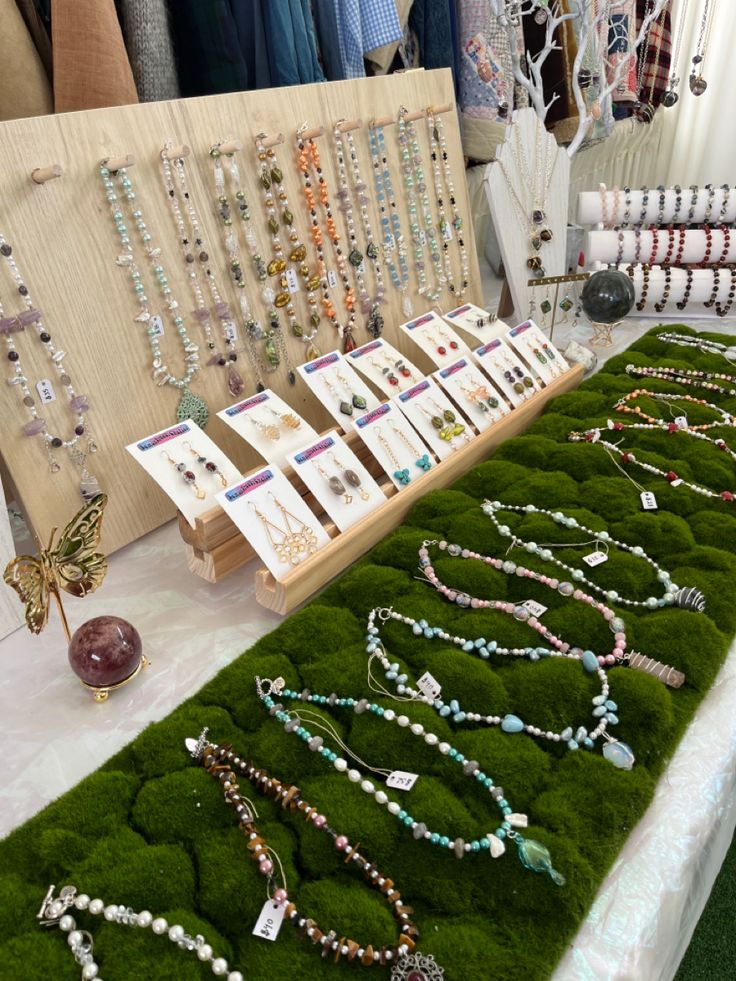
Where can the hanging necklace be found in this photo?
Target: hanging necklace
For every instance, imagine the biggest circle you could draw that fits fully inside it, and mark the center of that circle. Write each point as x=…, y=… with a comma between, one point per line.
x=434, y=235
x=591, y=662
x=308, y=162
x=622, y=405
x=271, y=178
x=644, y=111
x=603, y=711
x=370, y=305
x=697, y=83
x=78, y=405
x=671, y=95
x=444, y=185
x=686, y=376
x=266, y=349
x=532, y=854
x=686, y=596
x=393, y=240
x=411, y=167
x=196, y=259
x=534, y=218
x=190, y=406
x=222, y=763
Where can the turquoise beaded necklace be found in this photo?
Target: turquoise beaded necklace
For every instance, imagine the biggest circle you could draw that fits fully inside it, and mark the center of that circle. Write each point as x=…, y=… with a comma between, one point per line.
x=532, y=854
x=390, y=224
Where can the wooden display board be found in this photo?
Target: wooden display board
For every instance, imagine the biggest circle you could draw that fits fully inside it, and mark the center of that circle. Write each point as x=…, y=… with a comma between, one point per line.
x=66, y=246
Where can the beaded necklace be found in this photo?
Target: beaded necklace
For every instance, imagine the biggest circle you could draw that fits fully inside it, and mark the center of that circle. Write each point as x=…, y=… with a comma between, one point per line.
x=685, y=376
x=444, y=184
x=604, y=709
x=196, y=259
x=190, y=406
x=672, y=428
x=618, y=655
x=432, y=230
x=222, y=763
x=393, y=240
x=271, y=179
x=623, y=406
x=685, y=596
x=76, y=404
x=701, y=343
x=411, y=183
x=532, y=854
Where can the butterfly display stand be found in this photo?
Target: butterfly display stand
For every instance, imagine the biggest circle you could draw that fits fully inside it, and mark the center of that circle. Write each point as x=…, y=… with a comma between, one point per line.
x=215, y=548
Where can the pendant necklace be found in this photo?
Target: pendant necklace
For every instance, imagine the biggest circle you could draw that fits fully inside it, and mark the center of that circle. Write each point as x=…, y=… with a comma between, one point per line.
x=225, y=766
x=444, y=184
x=671, y=95
x=266, y=348
x=78, y=405
x=393, y=240
x=196, y=259
x=418, y=234
x=271, y=178
x=536, y=217
x=572, y=737
x=697, y=83
x=644, y=110
x=190, y=406
x=309, y=163
x=532, y=854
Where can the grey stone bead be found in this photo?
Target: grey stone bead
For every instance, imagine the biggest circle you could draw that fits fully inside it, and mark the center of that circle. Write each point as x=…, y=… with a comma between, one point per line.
x=469, y=767
x=420, y=830
x=459, y=847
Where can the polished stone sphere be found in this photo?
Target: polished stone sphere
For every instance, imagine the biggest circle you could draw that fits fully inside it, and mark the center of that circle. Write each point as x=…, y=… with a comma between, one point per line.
x=105, y=651
x=607, y=296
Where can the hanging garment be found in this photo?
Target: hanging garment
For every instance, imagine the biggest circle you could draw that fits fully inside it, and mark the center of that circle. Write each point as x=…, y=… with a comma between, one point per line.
x=381, y=58
x=362, y=26
x=621, y=39
x=435, y=25
x=656, y=71
x=150, y=49
x=91, y=66
x=25, y=89
x=208, y=54
x=292, y=46
x=39, y=32
x=251, y=31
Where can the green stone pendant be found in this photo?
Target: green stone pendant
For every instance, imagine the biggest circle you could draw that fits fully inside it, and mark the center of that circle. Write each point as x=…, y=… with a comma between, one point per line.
x=536, y=857
x=545, y=306
x=271, y=353
x=192, y=407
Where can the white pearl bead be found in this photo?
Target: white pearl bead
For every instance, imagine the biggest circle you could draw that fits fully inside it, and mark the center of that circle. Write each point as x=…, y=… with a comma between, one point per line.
x=340, y=764
x=389, y=715
x=354, y=776
x=144, y=918
x=89, y=971
x=204, y=953
x=82, y=901
x=96, y=906
x=111, y=912
x=431, y=739
x=444, y=748
x=402, y=720
x=235, y=976
x=176, y=932
x=393, y=807
x=219, y=966
x=367, y=786
x=381, y=797
x=417, y=728
x=75, y=938
x=159, y=925
x=67, y=923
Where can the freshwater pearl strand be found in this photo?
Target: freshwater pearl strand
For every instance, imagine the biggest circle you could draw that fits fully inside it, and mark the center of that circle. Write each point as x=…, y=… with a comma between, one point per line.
x=685, y=376
x=671, y=426
x=720, y=443
x=432, y=230
x=673, y=594
x=393, y=240
x=603, y=711
x=53, y=912
x=532, y=854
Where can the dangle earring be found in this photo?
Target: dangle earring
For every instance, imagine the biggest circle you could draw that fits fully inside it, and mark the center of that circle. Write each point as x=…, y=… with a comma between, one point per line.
x=420, y=460
x=289, y=419
x=400, y=473
x=386, y=371
x=480, y=396
x=352, y=478
x=336, y=485
x=210, y=467
x=353, y=401
x=566, y=306
x=458, y=428
x=552, y=359
x=516, y=377
x=187, y=475
x=269, y=430
x=291, y=542
x=545, y=306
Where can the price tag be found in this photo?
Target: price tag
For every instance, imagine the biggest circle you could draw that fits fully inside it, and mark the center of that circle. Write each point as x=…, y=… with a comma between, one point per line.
x=429, y=686
x=156, y=326
x=45, y=391
x=648, y=501
x=292, y=280
x=269, y=922
x=230, y=331
x=389, y=243
x=400, y=780
x=536, y=609
x=332, y=279
x=447, y=232
x=595, y=558
x=681, y=422
x=361, y=268
x=422, y=237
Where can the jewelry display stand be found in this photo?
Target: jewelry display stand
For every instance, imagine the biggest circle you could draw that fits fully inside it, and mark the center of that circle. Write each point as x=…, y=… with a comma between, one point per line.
x=66, y=244
x=556, y=281
x=608, y=208
x=701, y=291
x=653, y=246
x=215, y=548
x=528, y=138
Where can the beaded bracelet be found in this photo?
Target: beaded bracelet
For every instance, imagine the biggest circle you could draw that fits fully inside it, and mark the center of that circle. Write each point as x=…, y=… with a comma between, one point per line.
x=681, y=304
x=726, y=245
x=685, y=376
x=722, y=310
x=685, y=596
x=708, y=245
x=532, y=854
x=622, y=405
x=655, y=246
x=222, y=763
x=678, y=203
x=642, y=301
x=680, y=246
x=659, y=307
x=604, y=709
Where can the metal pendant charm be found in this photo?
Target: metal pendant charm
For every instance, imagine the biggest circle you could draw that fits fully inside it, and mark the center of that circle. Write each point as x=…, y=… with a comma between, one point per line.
x=192, y=407
x=663, y=672
x=417, y=967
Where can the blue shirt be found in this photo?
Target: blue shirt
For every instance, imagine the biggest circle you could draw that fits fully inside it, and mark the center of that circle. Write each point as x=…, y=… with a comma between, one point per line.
x=363, y=25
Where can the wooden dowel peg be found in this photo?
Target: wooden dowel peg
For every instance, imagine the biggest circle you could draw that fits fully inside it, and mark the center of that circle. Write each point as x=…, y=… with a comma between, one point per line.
x=268, y=141
x=436, y=110
x=310, y=134
x=42, y=174
x=410, y=117
x=175, y=152
x=230, y=146
x=381, y=121
x=345, y=125
x=118, y=163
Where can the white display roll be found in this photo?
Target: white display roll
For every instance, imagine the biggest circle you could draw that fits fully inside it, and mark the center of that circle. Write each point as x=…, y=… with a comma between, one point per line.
x=609, y=207
x=701, y=291
x=622, y=246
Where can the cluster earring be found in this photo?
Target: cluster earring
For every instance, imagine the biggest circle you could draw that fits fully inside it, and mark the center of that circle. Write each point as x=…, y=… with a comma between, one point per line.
x=294, y=540
x=421, y=460
x=268, y=429
x=351, y=477
x=289, y=419
x=480, y=396
x=445, y=422
x=208, y=465
x=187, y=475
x=521, y=383
x=389, y=375
x=336, y=485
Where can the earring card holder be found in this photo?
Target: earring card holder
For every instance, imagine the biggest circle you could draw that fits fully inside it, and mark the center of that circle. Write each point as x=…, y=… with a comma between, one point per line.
x=426, y=401
x=466, y=318
x=65, y=244
x=431, y=334
x=527, y=337
x=394, y=442
x=463, y=378
x=496, y=358
x=252, y=417
x=337, y=394
x=384, y=366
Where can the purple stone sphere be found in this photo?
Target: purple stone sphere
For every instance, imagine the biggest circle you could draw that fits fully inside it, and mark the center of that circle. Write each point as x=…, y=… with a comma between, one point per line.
x=105, y=651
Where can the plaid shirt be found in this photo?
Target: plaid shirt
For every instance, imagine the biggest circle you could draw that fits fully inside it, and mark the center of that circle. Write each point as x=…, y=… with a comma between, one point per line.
x=363, y=25
x=655, y=77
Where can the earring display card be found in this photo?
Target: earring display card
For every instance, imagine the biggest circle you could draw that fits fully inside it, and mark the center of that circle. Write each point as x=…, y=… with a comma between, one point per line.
x=435, y=338
x=274, y=519
x=338, y=479
x=537, y=350
x=476, y=321
x=399, y=449
x=186, y=465
x=468, y=387
x=386, y=367
x=337, y=386
x=435, y=418
x=269, y=424
x=507, y=372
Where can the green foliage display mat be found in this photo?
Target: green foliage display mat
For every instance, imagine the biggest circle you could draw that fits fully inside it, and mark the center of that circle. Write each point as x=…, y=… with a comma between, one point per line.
x=150, y=828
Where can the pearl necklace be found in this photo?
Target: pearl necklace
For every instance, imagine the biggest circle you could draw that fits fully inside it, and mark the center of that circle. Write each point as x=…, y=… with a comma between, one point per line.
x=728, y=351
x=77, y=404
x=685, y=596
x=532, y=854
x=689, y=376
x=438, y=148
x=420, y=183
x=418, y=235
x=604, y=709
x=53, y=912
x=190, y=406
x=393, y=240
x=673, y=427
x=619, y=654
x=223, y=764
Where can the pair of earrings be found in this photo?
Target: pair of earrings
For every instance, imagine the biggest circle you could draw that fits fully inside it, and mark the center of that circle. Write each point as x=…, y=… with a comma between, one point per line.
x=514, y=374
x=479, y=395
x=388, y=370
x=337, y=486
x=449, y=342
x=445, y=422
x=546, y=355
x=294, y=540
x=401, y=474
x=271, y=430
x=353, y=400
x=189, y=476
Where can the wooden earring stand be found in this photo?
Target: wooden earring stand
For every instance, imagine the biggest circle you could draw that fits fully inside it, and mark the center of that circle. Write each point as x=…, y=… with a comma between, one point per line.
x=215, y=548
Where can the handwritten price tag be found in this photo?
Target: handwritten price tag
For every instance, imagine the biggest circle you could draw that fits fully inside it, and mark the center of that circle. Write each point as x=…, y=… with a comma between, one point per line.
x=269, y=922
x=45, y=391
x=156, y=326
x=231, y=331
x=400, y=780
x=648, y=501
x=595, y=558
x=292, y=281
x=429, y=686
x=332, y=279
x=536, y=609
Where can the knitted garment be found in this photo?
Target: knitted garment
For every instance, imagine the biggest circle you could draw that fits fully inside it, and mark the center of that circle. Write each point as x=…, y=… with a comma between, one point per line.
x=150, y=49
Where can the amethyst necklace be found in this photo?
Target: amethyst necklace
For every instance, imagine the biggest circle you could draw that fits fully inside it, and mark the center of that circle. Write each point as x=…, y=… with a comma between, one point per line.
x=14, y=325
